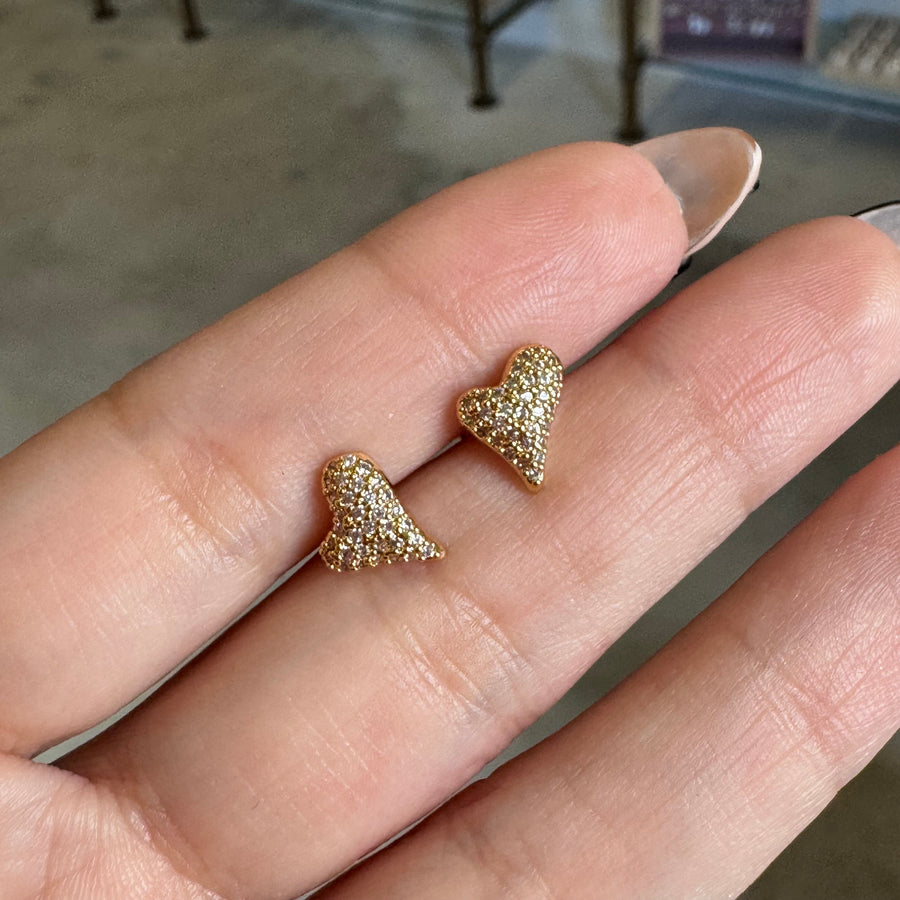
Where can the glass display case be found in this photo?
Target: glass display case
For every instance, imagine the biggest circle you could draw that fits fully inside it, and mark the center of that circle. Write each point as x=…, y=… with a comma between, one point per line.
x=790, y=45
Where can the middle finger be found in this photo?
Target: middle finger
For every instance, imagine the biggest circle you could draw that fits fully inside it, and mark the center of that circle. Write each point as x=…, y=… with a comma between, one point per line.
x=318, y=728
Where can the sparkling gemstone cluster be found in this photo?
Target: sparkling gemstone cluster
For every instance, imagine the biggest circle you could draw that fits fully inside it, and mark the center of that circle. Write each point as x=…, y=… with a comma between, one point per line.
x=370, y=524
x=514, y=418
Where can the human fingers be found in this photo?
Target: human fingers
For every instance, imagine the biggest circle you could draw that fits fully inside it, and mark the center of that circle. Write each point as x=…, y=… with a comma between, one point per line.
x=344, y=708
x=695, y=773
x=140, y=524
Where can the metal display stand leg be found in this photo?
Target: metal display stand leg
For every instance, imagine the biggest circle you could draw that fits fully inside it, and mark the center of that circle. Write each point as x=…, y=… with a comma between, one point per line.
x=193, y=29
x=103, y=9
x=479, y=40
x=630, y=129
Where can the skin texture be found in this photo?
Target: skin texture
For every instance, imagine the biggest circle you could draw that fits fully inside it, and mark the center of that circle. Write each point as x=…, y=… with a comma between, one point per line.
x=346, y=707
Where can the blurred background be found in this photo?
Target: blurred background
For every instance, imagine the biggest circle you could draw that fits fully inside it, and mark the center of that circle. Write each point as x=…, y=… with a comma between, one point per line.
x=149, y=184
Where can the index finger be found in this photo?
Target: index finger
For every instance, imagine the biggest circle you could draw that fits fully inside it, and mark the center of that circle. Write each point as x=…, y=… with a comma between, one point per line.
x=139, y=525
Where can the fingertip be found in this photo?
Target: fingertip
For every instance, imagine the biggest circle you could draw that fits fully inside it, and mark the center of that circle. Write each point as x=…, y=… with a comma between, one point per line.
x=861, y=266
x=842, y=256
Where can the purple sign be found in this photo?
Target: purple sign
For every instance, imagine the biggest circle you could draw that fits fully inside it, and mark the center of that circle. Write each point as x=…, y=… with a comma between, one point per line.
x=763, y=27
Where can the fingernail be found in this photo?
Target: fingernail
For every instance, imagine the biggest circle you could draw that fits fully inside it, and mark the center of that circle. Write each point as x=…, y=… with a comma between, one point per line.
x=885, y=218
x=710, y=171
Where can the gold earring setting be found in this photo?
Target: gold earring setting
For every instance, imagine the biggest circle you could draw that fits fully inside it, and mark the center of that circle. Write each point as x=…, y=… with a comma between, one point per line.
x=370, y=524
x=514, y=417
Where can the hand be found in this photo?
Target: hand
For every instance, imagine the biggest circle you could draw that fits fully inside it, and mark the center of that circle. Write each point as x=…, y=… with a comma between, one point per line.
x=347, y=706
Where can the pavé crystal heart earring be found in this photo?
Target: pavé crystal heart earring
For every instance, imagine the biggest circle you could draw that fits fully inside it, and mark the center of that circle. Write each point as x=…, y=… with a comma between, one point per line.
x=370, y=524
x=514, y=417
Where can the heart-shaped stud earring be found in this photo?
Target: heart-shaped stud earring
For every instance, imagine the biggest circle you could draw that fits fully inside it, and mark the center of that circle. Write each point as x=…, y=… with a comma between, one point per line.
x=370, y=524
x=514, y=418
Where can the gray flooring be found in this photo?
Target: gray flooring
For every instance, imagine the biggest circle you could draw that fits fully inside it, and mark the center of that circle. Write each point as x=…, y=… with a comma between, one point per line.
x=148, y=186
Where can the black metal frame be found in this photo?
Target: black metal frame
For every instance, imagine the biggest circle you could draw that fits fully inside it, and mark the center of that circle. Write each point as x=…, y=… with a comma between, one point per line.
x=481, y=30
x=192, y=28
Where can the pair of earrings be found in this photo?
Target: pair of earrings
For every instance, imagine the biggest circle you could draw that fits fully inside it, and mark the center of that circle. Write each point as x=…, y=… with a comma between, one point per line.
x=513, y=418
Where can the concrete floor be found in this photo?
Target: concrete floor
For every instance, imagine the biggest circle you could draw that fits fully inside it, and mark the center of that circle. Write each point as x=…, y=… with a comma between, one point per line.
x=149, y=186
